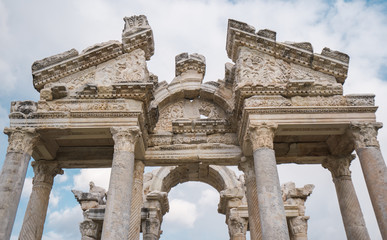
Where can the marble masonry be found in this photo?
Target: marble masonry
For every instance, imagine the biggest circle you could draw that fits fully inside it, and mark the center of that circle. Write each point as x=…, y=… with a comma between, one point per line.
x=278, y=103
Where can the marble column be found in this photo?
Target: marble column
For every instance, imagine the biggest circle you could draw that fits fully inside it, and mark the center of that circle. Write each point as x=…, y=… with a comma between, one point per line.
x=137, y=201
x=247, y=166
x=271, y=207
x=119, y=198
x=237, y=226
x=374, y=168
x=21, y=142
x=351, y=213
x=35, y=215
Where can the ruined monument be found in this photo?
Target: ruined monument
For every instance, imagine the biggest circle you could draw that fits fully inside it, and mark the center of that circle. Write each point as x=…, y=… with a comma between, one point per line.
x=278, y=103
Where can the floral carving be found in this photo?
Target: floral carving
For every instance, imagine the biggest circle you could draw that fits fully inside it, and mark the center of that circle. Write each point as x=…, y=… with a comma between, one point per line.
x=338, y=165
x=45, y=172
x=125, y=138
x=254, y=68
x=299, y=226
x=169, y=113
x=21, y=140
x=319, y=101
x=262, y=135
x=365, y=134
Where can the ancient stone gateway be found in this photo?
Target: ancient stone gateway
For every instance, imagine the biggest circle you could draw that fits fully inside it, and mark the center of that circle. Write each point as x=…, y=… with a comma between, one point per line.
x=278, y=103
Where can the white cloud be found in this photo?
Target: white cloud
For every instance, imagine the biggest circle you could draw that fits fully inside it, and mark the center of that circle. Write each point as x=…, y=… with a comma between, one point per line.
x=209, y=197
x=27, y=188
x=54, y=199
x=8, y=79
x=100, y=177
x=61, y=178
x=181, y=214
x=64, y=223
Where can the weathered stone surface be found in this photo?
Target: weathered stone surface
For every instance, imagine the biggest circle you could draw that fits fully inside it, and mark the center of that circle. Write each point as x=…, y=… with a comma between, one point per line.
x=20, y=145
x=37, y=65
x=35, y=215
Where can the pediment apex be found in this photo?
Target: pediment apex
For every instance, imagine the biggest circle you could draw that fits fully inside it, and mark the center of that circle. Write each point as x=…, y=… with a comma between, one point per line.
x=330, y=62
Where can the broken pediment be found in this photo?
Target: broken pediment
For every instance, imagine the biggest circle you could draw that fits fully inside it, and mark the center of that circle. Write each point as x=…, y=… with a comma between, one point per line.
x=101, y=65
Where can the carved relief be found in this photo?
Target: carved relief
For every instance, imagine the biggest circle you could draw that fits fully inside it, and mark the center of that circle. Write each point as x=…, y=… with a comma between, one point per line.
x=262, y=135
x=21, y=140
x=89, y=229
x=267, y=101
x=125, y=138
x=130, y=67
x=255, y=68
x=319, y=101
x=339, y=165
x=187, y=110
x=24, y=107
x=172, y=111
x=84, y=106
x=365, y=134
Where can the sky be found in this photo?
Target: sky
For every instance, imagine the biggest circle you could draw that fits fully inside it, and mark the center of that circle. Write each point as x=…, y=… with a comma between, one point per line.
x=32, y=30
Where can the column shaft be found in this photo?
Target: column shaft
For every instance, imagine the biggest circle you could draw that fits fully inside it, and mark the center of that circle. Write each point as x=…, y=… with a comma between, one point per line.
x=271, y=206
x=13, y=174
x=247, y=166
x=351, y=213
x=374, y=169
x=375, y=175
x=119, y=198
x=36, y=211
x=137, y=201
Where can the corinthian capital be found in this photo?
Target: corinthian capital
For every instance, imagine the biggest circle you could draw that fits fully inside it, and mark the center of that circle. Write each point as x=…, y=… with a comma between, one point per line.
x=21, y=140
x=339, y=165
x=262, y=135
x=45, y=172
x=365, y=134
x=125, y=138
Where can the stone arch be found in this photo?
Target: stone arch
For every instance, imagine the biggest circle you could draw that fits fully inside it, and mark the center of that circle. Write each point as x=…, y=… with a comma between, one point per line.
x=165, y=178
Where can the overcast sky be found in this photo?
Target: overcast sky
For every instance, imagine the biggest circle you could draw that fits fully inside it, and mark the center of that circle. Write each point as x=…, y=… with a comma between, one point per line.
x=31, y=30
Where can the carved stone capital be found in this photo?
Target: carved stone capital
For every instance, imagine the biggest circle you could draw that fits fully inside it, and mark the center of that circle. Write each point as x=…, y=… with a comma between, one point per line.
x=21, y=140
x=237, y=226
x=262, y=135
x=339, y=165
x=125, y=138
x=299, y=226
x=89, y=229
x=45, y=172
x=365, y=134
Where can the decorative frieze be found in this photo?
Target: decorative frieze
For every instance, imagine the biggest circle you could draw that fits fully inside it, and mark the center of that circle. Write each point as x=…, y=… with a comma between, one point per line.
x=185, y=62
